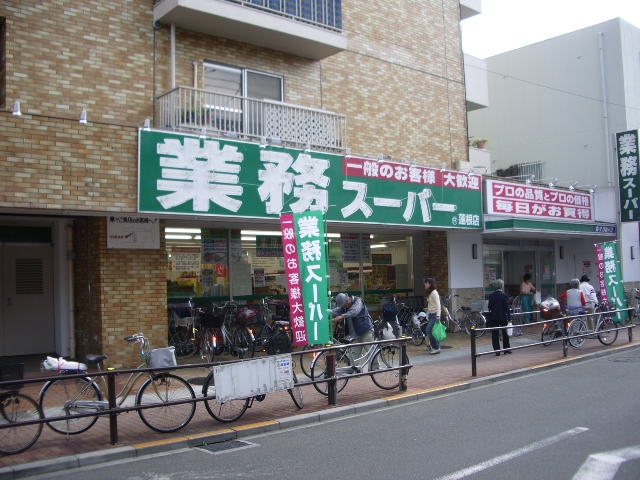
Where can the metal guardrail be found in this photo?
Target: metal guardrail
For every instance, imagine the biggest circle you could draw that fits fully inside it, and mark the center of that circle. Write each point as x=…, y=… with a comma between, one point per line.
x=565, y=338
x=114, y=410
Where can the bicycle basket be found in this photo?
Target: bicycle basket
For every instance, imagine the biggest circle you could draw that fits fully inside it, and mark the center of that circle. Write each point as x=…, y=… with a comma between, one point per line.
x=479, y=306
x=163, y=357
x=212, y=318
x=12, y=371
x=246, y=315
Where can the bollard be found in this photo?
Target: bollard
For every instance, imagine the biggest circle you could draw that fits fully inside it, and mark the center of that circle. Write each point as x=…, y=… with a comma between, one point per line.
x=473, y=351
x=113, y=417
x=331, y=373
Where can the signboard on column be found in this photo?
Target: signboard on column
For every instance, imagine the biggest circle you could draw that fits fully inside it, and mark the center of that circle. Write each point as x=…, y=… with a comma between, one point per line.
x=628, y=175
x=610, y=282
x=303, y=242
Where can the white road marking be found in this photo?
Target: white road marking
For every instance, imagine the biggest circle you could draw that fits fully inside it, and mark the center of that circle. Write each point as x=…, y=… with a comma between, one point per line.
x=604, y=465
x=466, y=472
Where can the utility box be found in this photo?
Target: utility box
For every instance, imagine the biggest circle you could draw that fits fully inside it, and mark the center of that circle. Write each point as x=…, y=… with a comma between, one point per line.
x=253, y=377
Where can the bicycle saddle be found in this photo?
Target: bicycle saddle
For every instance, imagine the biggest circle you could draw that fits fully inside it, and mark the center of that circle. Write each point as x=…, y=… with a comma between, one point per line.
x=92, y=359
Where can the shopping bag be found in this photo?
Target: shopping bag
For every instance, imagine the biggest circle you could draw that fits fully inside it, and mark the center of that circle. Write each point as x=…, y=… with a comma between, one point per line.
x=510, y=329
x=537, y=298
x=439, y=331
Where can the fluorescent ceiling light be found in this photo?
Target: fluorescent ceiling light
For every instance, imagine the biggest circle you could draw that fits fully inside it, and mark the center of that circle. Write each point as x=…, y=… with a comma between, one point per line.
x=181, y=230
x=248, y=239
x=379, y=245
x=173, y=236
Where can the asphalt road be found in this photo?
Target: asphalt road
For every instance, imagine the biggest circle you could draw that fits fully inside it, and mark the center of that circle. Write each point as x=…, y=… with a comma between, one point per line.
x=548, y=425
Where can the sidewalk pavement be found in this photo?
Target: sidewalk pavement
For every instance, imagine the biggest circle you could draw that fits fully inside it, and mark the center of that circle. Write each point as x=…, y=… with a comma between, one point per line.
x=430, y=375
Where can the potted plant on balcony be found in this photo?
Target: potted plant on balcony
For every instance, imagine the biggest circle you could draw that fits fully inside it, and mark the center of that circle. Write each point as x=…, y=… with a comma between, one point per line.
x=478, y=142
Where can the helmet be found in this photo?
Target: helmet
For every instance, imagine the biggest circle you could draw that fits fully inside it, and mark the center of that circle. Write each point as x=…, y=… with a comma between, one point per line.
x=341, y=299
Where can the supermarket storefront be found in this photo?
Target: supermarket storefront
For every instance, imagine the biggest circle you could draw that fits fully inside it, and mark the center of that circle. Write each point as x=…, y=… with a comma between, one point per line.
x=220, y=201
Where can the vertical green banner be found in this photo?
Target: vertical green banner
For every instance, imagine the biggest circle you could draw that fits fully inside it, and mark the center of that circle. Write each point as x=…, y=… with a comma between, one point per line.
x=628, y=175
x=610, y=280
x=312, y=255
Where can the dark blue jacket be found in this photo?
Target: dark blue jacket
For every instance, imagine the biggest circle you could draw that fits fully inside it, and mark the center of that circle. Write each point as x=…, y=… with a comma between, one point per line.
x=498, y=307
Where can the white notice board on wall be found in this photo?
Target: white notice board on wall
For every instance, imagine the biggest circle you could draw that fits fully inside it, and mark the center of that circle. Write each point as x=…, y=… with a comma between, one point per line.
x=249, y=378
x=133, y=231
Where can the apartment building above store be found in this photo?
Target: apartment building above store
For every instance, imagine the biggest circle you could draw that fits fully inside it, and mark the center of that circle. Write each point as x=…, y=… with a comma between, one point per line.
x=306, y=28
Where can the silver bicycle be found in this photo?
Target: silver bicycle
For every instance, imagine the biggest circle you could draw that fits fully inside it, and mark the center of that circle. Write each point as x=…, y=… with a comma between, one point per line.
x=372, y=357
x=76, y=397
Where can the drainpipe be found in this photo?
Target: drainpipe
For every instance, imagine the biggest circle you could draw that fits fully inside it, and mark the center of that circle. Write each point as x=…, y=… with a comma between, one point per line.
x=70, y=298
x=173, y=56
x=605, y=107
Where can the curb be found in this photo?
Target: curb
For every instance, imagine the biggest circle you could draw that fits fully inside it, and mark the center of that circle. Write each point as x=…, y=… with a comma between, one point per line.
x=190, y=441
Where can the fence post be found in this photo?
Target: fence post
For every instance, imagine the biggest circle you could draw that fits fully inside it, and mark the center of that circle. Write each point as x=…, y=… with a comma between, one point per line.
x=565, y=342
x=113, y=416
x=331, y=373
x=473, y=351
x=404, y=373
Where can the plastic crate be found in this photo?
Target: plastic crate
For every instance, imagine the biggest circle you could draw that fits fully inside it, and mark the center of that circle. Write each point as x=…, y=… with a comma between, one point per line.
x=9, y=372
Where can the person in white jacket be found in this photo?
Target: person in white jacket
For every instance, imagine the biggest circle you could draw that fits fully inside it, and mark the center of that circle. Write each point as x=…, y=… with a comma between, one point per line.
x=590, y=296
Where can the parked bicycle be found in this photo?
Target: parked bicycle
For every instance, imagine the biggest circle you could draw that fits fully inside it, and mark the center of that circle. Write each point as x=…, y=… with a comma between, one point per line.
x=232, y=410
x=76, y=397
x=16, y=408
x=463, y=318
x=272, y=331
x=577, y=327
x=233, y=335
x=373, y=357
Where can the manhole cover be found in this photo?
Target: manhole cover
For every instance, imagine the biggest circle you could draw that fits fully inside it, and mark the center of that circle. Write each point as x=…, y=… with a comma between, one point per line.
x=225, y=446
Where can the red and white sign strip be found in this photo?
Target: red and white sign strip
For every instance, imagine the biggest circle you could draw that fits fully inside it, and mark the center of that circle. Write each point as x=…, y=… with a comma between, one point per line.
x=542, y=203
x=294, y=284
x=401, y=172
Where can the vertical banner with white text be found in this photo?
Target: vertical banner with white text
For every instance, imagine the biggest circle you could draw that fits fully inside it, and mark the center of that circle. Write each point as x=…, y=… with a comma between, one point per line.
x=610, y=282
x=294, y=287
x=312, y=254
x=628, y=175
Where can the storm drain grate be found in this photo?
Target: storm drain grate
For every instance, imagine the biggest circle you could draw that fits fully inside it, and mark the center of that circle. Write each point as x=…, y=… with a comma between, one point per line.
x=225, y=446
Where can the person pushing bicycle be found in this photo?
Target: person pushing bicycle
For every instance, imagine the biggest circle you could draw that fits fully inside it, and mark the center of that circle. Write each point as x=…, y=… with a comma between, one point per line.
x=358, y=323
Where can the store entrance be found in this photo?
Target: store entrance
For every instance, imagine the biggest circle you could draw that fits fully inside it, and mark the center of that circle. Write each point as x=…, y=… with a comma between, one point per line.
x=539, y=263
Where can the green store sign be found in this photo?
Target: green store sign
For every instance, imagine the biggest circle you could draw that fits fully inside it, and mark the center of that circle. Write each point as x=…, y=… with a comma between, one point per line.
x=185, y=174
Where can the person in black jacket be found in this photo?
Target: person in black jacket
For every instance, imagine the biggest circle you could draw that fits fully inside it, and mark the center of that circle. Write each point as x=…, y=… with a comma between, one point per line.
x=499, y=315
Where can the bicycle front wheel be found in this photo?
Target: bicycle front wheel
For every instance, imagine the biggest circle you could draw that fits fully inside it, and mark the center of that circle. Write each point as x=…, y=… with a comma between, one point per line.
x=549, y=332
x=387, y=357
x=477, y=320
x=319, y=371
x=16, y=408
x=576, y=327
x=296, y=393
x=70, y=397
x=306, y=359
x=159, y=390
x=607, y=338
x=224, y=412
x=417, y=337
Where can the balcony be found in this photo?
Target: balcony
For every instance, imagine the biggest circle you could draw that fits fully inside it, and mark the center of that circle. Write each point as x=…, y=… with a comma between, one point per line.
x=306, y=28
x=190, y=110
x=476, y=83
x=469, y=8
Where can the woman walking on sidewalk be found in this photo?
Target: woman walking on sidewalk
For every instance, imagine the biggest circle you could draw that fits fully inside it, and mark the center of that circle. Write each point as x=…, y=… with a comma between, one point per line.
x=499, y=316
x=433, y=310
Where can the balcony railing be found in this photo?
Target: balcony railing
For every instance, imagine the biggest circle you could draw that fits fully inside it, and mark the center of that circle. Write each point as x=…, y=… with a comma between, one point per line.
x=191, y=110
x=322, y=13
